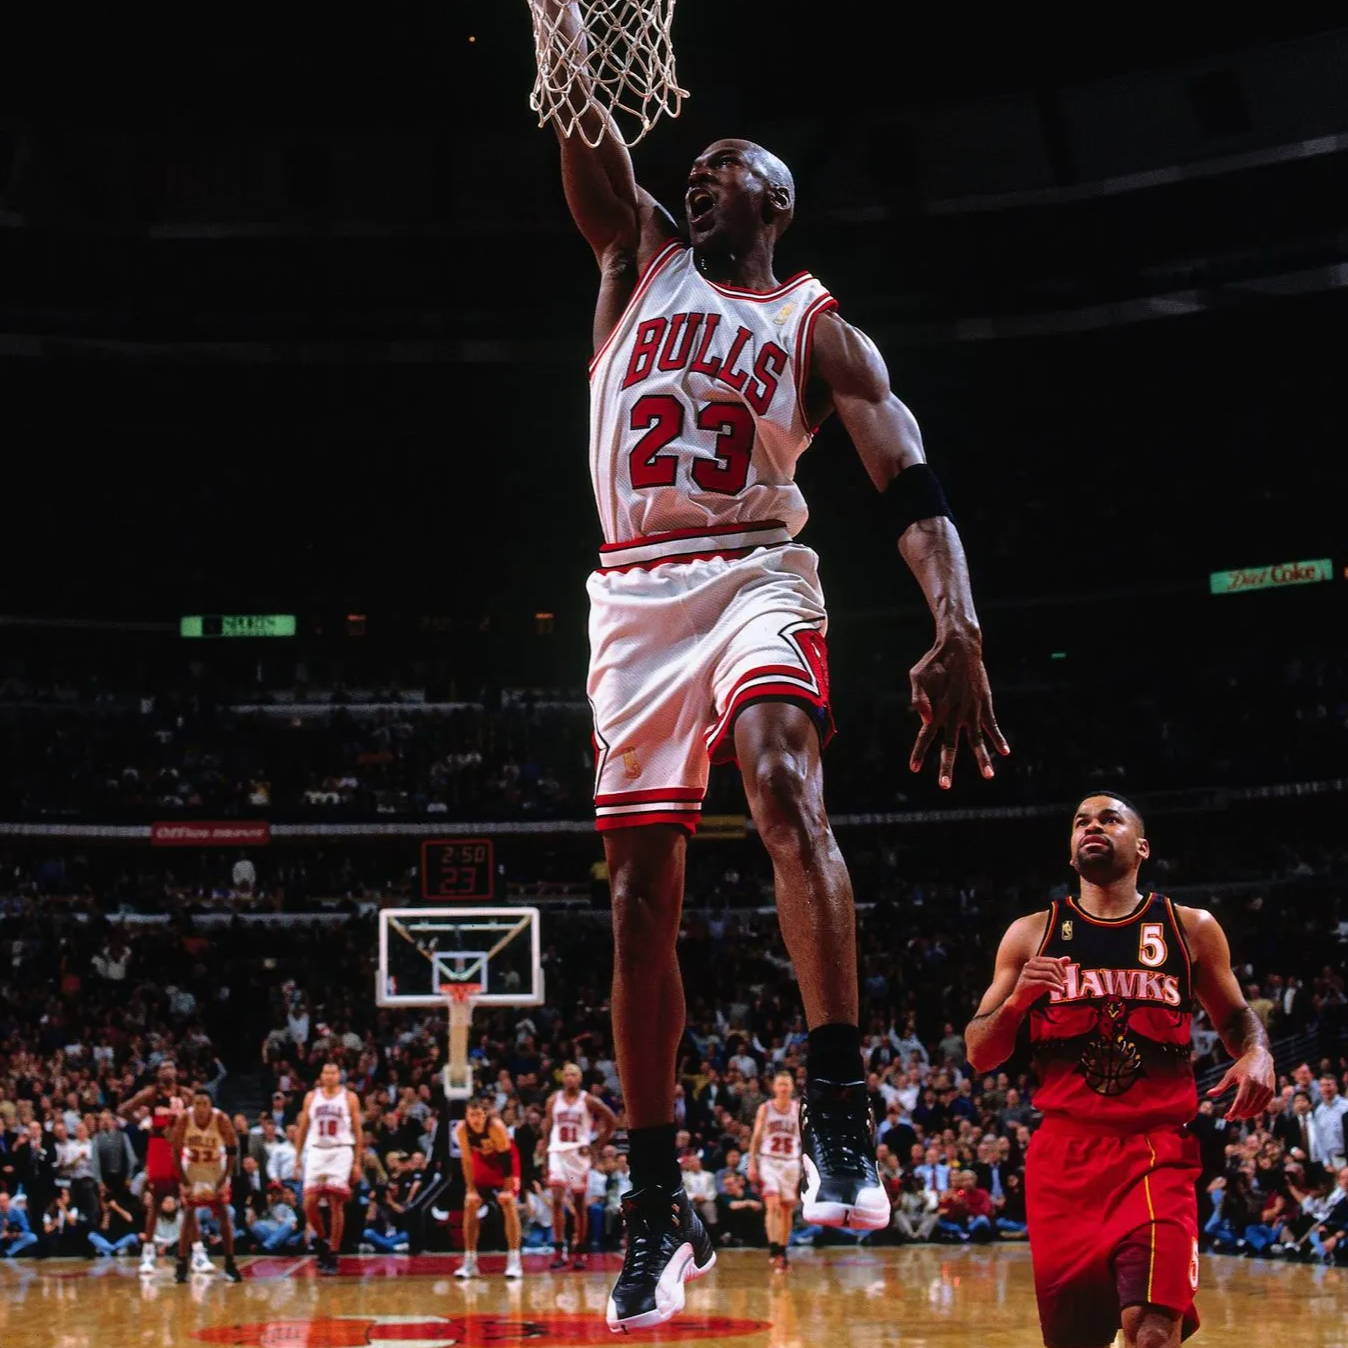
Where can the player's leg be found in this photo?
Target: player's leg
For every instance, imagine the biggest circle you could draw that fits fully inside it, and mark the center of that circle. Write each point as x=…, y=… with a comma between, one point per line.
x=471, y=1226
x=150, y=1202
x=510, y=1211
x=778, y=750
x=558, y=1190
x=337, y=1199
x=226, y=1219
x=666, y=1241
x=580, y=1229
x=646, y=872
x=313, y=1194
x=187, y=1236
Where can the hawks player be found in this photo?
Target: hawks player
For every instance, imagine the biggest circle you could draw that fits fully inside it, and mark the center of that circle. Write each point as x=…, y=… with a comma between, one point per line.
x=707, y=630
x=1107, y=981
x=577, y=1125
x=203, y=1146
x=491, y=1167
x=332, y=1163
x=167, y=1099
x=774, y=1164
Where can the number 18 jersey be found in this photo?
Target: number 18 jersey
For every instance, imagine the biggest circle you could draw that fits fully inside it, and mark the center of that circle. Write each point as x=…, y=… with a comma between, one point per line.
x=697, y=413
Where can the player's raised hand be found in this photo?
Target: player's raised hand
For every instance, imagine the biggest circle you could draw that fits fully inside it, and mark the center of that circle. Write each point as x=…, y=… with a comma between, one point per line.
x=1252, y=1077
x=1041, y=975
x=950, y=692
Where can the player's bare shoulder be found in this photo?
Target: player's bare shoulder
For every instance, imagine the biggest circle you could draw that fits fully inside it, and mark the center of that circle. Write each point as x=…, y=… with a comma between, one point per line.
x=1023, y=938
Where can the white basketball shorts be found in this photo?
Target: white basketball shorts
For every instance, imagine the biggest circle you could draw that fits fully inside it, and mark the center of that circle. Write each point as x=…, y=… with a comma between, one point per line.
x=329, y=1168
x=569, y=1170
x=780, y=1177
x=686, y=630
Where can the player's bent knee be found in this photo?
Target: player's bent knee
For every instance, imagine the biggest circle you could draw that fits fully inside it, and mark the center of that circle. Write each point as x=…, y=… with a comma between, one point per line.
x=787, y=805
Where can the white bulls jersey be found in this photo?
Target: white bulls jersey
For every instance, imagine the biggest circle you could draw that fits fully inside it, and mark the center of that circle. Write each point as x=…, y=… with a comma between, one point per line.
x=696, y=406
x=781, y=1133
x=330, y=1120
x=572, y=1124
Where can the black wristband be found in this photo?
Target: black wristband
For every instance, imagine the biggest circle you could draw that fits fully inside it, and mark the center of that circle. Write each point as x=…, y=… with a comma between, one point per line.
x=915, y=494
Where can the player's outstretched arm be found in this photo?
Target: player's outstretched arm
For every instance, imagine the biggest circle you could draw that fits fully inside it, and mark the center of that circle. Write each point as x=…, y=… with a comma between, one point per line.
x=621, y=222
x=1020, y=979
x=1241, y=1031
x=949, y=685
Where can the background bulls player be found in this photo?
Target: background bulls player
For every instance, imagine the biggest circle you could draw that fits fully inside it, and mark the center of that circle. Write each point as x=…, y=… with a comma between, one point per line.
x=167, y=1100
x=707, y=632
x=203, y=1146
x=1107, y=982
x=577, y=1125
x=774, y=1163
x=330, y=1123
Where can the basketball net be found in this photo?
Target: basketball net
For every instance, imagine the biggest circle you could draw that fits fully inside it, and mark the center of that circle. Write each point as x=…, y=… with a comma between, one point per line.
x=619, y=61
x=458, y=1075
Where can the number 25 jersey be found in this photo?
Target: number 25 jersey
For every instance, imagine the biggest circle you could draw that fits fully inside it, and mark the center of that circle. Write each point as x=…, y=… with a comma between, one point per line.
x=697, y=413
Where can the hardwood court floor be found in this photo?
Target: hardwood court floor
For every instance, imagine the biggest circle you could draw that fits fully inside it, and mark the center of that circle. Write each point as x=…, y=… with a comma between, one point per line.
x=915, y=1298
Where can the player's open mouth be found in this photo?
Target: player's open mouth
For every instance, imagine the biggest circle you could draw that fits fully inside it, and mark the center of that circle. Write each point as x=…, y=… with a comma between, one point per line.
x=1094, y=842
x=700, y=204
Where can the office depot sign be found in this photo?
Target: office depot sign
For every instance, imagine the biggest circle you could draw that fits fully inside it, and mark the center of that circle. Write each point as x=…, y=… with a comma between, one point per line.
x=204, y=833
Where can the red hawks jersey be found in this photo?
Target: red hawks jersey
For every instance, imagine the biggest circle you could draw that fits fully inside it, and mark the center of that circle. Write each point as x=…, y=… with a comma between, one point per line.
x=781, y=1133
x=330, y=1120
x=1113, y=1047
x=572, y=1123
x=697, y=410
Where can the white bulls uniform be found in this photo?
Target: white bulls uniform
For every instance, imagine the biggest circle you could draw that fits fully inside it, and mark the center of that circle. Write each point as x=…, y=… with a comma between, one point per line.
x=779, y=1152
x=572, y=1129
x=330, y=1152
x=701, y=603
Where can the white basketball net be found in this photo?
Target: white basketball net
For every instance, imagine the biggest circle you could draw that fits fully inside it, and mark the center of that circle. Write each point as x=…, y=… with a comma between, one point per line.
x=620, y=61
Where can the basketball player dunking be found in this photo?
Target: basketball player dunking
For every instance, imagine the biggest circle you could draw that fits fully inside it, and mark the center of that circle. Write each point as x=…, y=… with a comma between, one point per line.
x=577, y=1125
x=203, y=1147
x=1107, y=982
x=774, y=1164
x=707, y=635
x=491, y=1168
x=167, y=1100
x=332, y=1163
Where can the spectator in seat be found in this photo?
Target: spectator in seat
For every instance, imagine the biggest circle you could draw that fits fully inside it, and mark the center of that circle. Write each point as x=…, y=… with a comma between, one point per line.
x=1010, y=1219
x=16, y=1235
x=279, y=1226
x=915, y=1211
x=118, y=1228
x=739, y=1213
x=700, y=1186
x=966, y=1210
x=1329, y=1118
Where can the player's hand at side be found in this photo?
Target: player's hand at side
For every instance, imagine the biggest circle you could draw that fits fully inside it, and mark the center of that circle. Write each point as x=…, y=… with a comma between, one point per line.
x=1041, y=975
x=753, y=1170
x=950, y=692
x=1252, y=1076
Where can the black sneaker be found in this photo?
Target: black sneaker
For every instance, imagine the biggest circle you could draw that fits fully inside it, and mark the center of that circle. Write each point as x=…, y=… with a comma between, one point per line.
x=232, y=1271
x=842, y=1187
x=667, y=1245
x=327, y=1262
x=180, y=1269
x=558, y=1259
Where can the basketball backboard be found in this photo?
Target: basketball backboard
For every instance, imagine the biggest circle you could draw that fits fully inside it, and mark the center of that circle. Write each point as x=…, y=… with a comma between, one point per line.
x=425, y=951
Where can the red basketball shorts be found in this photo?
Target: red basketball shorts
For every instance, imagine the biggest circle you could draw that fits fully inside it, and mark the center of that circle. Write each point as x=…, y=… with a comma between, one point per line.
x=1113, y=1223
x=678, y=649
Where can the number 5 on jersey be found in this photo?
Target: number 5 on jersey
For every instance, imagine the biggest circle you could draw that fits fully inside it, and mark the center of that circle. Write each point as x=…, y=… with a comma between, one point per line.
x=1151, y=948
x=661, y=416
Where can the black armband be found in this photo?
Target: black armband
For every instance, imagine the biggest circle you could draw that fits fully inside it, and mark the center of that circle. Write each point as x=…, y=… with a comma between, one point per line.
x=915, y=494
